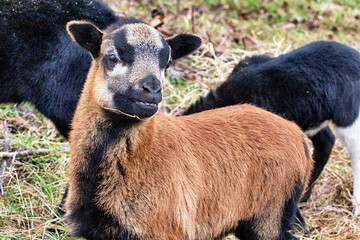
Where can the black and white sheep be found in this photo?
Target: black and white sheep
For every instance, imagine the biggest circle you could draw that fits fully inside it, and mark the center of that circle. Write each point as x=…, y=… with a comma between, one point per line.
x=314, y=85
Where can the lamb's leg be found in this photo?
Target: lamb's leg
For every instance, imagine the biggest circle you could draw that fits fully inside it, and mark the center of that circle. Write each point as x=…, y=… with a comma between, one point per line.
x=350, y=137
x=290, y=214
x=272, y=223
x=245, y=230
x=323, y=143
x=300, y=224
x=60, y=210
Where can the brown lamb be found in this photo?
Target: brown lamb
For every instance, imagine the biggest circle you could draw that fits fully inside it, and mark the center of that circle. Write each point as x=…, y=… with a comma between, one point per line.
x=138, y=174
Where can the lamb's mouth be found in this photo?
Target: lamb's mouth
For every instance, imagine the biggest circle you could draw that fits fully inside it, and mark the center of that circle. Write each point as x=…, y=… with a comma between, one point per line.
x=147, y=104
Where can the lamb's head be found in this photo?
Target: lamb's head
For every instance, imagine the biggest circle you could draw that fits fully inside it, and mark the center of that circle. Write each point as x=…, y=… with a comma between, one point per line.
x=132, y=59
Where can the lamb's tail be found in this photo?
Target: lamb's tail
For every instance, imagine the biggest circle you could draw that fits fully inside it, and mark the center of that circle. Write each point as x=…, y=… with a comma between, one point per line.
x=310, y=164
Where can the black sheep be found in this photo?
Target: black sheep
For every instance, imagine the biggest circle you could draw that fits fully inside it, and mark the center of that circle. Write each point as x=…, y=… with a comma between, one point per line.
x=39, y=62
x=314, y=85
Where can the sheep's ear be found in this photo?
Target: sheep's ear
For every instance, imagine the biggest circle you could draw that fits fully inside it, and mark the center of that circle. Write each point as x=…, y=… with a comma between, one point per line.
x=183, y=44
x=86, y=35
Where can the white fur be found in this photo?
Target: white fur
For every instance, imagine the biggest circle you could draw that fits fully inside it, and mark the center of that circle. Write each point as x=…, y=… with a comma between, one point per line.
x=162, y=76
x=107, y=47
x=119, y=70
x=314, y=131
x=350, y=137
x=140, y=33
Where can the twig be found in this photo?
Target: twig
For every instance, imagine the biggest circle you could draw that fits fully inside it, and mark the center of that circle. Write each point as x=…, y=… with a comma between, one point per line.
x=4, y=164
x=178, y=6
x=40, y=151
x=192, y=19
x=244, y=43
x=6, y=137
x=3, y=177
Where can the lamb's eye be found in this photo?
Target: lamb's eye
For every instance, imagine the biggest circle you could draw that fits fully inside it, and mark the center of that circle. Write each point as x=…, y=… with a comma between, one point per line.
x=168, y=64
x=112, y=60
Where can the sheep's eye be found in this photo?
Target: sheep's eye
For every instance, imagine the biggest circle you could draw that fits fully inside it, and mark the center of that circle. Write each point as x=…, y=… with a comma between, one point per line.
x=112, y=60
x=168, y=64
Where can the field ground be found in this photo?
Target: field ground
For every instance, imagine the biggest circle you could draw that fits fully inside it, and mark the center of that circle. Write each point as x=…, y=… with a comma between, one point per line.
x=231, y=30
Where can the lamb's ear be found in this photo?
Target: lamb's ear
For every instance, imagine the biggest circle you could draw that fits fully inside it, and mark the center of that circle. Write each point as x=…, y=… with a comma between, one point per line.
x=86, y=35
x=183, y=44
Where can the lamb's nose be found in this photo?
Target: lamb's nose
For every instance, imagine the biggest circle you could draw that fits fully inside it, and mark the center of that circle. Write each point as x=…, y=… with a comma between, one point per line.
x=152, y=85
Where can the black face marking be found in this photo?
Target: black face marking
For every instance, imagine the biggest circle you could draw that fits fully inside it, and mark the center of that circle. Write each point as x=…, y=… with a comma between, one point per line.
x=123, y=22
x=129, y=106
x=125, y=50
x=164, y=54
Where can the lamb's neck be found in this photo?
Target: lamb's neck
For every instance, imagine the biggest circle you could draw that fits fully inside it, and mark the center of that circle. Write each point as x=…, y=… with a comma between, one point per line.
x=100, y=155
x=96, y=130
x=91, y=117
x=105, y=128
x=96, y=134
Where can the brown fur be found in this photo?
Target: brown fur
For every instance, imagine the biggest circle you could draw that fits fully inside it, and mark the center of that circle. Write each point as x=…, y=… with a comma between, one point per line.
x=191, y=177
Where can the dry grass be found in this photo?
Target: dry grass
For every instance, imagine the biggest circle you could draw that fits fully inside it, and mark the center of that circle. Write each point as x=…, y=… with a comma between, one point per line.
x=329, y=210
x=34, y=185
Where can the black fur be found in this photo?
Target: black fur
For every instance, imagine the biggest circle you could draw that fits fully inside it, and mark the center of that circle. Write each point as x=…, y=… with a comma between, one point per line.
x=303, y=86
x=312, y=84
x=323, y=143
x=119, y=24
x=126, y=51
x=39, y=62
x=164, y=55
x=88, y=36
x=290, y=210
x=183, y=44
x=85, y=213
x=245, y=229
